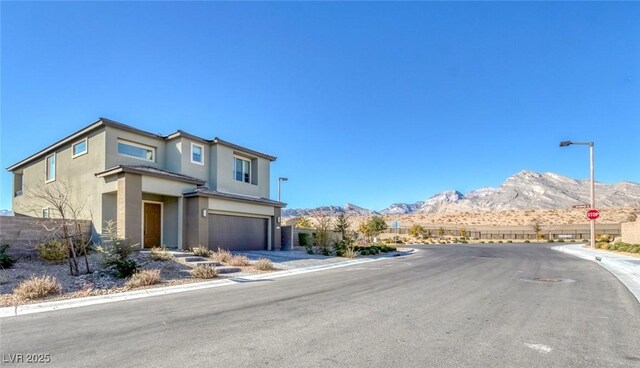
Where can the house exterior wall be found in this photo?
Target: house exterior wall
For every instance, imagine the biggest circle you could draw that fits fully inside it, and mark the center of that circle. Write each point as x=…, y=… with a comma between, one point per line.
x=113, y=158
x=75, y=173
x=224, y=180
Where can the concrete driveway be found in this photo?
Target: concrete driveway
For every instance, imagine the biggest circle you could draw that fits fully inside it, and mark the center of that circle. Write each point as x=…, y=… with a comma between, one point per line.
x=445, y=306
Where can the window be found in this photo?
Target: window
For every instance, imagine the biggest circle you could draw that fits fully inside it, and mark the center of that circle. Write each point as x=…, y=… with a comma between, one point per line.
x=136, y=150
x=50, y=170
x=79, y=148
x=242, y=169
x=197, y=153
x=46, y=213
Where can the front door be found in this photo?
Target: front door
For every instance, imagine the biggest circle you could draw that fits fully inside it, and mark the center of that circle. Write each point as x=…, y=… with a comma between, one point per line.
x=152, y=225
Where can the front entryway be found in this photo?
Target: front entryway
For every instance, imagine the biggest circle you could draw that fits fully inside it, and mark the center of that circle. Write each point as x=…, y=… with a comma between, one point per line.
x=152, y=225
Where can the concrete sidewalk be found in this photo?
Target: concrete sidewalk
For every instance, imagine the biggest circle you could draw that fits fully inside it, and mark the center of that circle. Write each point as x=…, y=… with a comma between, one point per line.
x=625, y=268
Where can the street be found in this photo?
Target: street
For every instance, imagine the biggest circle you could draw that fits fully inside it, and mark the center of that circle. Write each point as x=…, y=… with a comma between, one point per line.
x=445, y=306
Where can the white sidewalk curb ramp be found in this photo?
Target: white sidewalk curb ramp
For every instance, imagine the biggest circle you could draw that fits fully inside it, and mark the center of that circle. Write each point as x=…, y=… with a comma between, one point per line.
x=625, y=268
x=138, y=294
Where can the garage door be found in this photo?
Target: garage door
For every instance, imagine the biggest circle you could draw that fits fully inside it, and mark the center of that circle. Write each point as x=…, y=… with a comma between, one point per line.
x=237, y=232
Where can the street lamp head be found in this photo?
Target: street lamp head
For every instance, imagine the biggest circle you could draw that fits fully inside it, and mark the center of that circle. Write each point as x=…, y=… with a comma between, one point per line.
x=565, y=143
x=283, y=179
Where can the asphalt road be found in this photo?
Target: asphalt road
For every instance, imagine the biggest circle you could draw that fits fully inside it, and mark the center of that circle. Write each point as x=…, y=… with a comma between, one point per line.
x=446, y=306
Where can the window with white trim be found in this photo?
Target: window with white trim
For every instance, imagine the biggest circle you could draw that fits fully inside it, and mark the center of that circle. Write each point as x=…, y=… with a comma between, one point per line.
x=46, y=213
x=242, y=169
x=79, y=148
x=136, y=150
x=50, y=169
x=197, y=153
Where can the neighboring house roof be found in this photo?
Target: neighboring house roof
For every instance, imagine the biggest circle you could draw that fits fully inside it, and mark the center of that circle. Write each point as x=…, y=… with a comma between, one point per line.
x=204, y=191
x=151, y=171
x=101, y=122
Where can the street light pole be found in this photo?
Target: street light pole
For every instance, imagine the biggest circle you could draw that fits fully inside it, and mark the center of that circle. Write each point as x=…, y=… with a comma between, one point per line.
x=591, y=184
x=280, y=179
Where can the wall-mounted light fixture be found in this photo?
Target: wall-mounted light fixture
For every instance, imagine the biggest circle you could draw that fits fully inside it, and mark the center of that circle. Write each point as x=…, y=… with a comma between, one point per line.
x=204, y=212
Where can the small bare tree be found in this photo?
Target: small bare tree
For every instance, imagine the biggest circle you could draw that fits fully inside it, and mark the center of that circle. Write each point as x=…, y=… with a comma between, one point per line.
x=537, y=228
x=324, y=224
x=57, y=197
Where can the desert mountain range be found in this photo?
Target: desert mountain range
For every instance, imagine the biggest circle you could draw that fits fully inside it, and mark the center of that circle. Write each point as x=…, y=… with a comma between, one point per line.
x=526, y=190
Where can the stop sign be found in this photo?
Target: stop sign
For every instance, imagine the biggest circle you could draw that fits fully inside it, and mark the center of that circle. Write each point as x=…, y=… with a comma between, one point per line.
x=593, y=214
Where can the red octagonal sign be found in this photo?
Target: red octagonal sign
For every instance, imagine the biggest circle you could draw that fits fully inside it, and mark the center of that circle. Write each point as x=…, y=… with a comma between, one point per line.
x=593, y=214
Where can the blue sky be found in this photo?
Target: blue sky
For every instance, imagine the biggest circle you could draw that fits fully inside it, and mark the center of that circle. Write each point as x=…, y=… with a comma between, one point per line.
x=368, y=103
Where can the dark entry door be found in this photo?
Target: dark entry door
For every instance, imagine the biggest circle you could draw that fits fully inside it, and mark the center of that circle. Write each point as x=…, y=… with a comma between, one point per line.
x=237, y=232
x=152, y=224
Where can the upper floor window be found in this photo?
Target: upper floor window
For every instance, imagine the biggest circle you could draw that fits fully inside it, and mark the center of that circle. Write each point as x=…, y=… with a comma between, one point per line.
x=50, y=169
x=79, y=148
x=46, y=213
x=242, y=170
x=136, y=150
x=197, y=153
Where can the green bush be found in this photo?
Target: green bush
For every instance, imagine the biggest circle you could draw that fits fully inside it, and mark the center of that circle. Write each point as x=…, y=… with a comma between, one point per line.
x=490, y=241
x=364, y=252
x=527, y=241
x=53, y=251
x=550, y=241
x=509, y=241
x=560, y=240
x=500, y=241
x=125, y=268
x=5, y=260
x=304, y=239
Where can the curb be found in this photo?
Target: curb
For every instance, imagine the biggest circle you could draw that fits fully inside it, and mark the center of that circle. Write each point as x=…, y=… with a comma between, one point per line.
x=19, y=310
x=624, y=273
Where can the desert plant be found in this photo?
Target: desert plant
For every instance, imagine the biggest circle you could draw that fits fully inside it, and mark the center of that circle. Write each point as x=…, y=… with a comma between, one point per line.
x=115, y=251
x=603, y=238
x=222, y=255
x=527, y=241
x=509, y=241
x=303, y=223
x=342, y=225
x=263, y=264
x=5, y=260
x=239, y=261
x=204, y=272
x=549, y=240
x=37, y=287
x=202, y=251
x=416, y=231
x=324, y=224
x=160, y=254
x=536, y=225
x=350, y=253
x=53, y=251
x=304, y=240
x=144, y=278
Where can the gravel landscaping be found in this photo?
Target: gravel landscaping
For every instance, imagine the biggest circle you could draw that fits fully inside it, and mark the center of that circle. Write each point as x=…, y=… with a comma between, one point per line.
x=99, y=282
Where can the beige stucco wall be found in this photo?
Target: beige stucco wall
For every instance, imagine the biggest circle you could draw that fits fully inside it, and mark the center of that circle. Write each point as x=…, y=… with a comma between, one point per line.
x=224, y=179
x=239, y=208
x=113, y=158
x=85, y=191
x=630, y=232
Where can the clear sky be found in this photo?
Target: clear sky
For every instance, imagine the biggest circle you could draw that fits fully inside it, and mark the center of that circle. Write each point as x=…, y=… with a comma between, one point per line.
x=367, y=103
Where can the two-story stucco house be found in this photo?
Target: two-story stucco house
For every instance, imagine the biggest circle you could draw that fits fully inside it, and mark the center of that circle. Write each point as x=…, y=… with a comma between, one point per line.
x=178, y=190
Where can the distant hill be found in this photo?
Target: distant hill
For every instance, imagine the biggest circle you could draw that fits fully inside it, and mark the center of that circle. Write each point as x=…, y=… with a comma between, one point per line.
x=526, y=190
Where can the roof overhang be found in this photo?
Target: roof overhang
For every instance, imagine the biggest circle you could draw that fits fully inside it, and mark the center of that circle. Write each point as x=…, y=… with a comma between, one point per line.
x=154, y=172
x=217, y=140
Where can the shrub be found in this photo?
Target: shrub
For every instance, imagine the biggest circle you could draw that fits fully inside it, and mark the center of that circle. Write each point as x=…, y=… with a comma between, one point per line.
x=481, y=241
x=560, y=240
x=239, y=261
x=115, y=252
x=391, y=248
x=222, y=255
x=160, y=254
x=204, y=272
x=603, y=238
x=202, y=251
x=53, y=251
x=305, y=241
x=500, y=241
x=5, y=260
x=527, y=241
x=364, y=252
x=350, y=253
x=490, y=241
x=125, y=268
x=509, y=241
x=37, y=287
x=144, y=278
x=549, y=240
x=263, y=264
